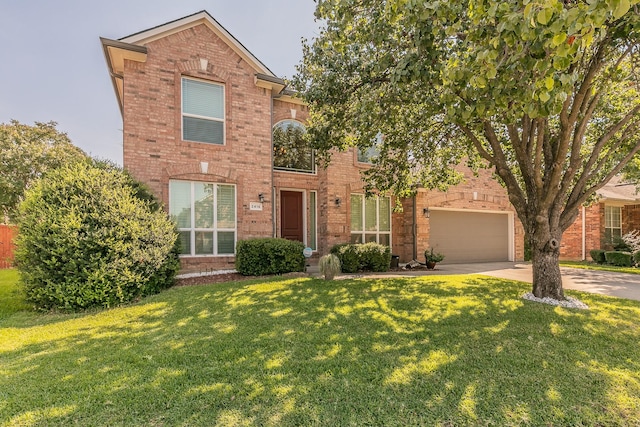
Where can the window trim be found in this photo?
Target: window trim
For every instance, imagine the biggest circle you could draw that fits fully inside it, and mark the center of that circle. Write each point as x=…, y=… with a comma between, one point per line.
x=364, y=232
x=214, y=229
x=313, y=220
x=314, y=169
x=196, y=116
x=608, y=224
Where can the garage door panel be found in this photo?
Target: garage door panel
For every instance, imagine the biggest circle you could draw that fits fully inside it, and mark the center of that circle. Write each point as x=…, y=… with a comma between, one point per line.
x=470, y=236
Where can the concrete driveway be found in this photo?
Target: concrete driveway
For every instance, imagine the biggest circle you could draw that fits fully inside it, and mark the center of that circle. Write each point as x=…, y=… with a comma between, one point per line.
x=621, y=285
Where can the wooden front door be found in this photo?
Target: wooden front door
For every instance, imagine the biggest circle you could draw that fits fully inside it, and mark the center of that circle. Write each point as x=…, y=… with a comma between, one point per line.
x=291, y=211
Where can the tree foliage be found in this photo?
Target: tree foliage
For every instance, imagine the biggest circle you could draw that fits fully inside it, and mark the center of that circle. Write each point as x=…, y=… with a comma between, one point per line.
x=90, y=235
x=290, y=148
x=544, y=92
x=26, y=152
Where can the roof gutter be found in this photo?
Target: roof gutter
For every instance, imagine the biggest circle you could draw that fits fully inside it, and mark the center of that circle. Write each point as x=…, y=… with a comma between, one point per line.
x=115, y=53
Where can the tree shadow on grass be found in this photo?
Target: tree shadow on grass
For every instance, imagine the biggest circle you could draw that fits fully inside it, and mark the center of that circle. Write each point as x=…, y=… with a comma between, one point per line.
x=460, y=350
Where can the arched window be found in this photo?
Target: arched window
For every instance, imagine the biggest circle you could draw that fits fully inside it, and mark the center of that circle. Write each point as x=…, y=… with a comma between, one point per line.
x=290, y=151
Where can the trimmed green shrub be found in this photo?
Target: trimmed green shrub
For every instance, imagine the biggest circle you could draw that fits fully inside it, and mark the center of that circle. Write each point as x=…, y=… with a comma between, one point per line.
x=620, y=245
x=348, y=256
x=362, y=257
x=636, y=258
x=619, y=259
x=89, y=236
x=597, y=255
x=374, y=257
x=329, y=266
x=259, y=257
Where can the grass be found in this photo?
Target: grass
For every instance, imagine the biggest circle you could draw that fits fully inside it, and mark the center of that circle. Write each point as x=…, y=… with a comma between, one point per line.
x=588, y=265
x=10, y=298
x=440, y=350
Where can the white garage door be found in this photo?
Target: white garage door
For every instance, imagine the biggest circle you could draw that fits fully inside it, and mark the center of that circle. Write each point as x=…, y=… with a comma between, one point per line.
x=470, y=236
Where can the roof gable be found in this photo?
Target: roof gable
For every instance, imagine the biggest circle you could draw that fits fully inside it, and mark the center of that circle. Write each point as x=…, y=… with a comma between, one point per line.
x=133, y=47
x=202, y=17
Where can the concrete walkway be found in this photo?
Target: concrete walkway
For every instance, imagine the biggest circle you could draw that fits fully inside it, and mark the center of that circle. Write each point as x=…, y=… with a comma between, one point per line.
x=621, y=285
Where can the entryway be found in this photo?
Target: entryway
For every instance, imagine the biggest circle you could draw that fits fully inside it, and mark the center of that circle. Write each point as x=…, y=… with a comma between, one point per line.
x=292, y=215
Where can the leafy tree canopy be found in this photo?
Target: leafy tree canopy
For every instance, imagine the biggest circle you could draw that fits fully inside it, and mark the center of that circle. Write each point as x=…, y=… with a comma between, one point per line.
x=545, y=92
x=26, y=152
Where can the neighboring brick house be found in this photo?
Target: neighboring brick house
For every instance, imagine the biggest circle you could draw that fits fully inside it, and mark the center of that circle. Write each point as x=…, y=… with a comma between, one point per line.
x=200, y=113
x=616, y=213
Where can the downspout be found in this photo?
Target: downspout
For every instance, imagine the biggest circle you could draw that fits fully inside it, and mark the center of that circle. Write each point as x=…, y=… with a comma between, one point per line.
x=273, y=188
x=584, y=233
x=415, y=228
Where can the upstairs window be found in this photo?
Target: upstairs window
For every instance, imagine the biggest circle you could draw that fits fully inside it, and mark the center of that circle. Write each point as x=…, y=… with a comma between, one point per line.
x=202, y=111
x=290, y=150
x=370, y=154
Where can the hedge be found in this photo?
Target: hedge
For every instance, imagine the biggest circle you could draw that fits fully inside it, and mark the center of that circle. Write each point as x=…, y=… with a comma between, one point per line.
x=619, y=259
x=597, y=255
x=362, y=257
x=264, y=256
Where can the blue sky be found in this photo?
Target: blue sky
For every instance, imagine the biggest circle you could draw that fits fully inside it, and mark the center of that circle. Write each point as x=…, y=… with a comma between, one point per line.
x=53, y=67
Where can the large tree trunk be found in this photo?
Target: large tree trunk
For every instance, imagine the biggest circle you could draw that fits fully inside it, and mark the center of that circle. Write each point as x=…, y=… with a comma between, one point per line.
x=547, y=281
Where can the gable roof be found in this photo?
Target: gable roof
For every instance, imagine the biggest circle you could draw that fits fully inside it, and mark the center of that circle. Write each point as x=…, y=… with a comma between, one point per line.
x=132, y=47
x=202, y=17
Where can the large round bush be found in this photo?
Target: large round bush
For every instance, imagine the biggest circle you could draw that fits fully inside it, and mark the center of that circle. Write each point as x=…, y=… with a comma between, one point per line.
x=89, y=236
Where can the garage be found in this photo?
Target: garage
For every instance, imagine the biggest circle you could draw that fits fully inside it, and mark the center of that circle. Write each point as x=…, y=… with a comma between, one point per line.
x=470, y=236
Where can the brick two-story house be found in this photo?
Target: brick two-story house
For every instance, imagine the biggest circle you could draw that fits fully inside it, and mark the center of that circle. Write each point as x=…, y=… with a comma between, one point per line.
x=213, y=132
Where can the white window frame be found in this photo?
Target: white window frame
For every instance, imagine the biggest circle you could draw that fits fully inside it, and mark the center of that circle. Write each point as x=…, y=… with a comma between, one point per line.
x=313, y=220
x=215, y=229
x=609, y=211
x=196, y=116
x=363, y=232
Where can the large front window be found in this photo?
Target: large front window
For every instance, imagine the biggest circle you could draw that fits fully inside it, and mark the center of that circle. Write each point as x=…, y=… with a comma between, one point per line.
x=290, y=150
x=202, y=111
x=370, y=219
x=206, y=217
x=612, y=223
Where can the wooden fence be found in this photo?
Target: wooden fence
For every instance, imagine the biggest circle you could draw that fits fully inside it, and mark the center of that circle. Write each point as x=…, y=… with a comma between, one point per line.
x=7, y=233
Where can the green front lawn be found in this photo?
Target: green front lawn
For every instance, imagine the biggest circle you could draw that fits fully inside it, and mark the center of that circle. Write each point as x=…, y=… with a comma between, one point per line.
x=440, y=350
x=11, y=300
x=587, y=265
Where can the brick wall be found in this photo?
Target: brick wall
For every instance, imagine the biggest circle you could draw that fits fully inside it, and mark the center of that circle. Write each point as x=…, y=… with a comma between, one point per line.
x=154, y=151
x=630, y=218
x=571, y=245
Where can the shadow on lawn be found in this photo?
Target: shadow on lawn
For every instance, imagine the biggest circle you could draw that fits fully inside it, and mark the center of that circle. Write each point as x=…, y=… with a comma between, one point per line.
x=466, y=350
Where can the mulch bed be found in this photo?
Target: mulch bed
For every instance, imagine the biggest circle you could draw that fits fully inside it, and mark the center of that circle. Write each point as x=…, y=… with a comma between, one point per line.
x=227, y=277
x=234, y=277
x=215, y=278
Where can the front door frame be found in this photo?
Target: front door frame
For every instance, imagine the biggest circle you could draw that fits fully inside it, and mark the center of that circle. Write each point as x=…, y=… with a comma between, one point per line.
x=304, y=211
